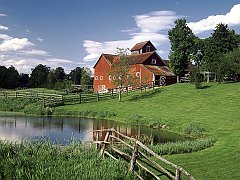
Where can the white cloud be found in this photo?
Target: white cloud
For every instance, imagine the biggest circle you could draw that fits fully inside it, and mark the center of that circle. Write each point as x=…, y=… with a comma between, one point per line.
x=15, y=44
x=3, y=27
x=35, y=52
x=39, y=39
x=2, y=15
x=232, y=19
x=5, y=37
x=151, y=26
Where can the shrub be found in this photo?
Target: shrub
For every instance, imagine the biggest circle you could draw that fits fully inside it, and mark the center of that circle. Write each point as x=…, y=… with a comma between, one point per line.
x=194, y=129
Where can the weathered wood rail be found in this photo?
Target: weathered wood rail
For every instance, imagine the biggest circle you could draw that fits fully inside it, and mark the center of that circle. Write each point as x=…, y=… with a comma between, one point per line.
x=138, y=154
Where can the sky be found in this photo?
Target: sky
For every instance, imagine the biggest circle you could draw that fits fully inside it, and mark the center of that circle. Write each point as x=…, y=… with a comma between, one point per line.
x=74, y=33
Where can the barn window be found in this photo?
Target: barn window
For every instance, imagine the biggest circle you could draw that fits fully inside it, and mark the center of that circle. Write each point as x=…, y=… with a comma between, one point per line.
x=154, y=61
x=137, y=74
x=101, y=77
x=114, y=77
x=110, y=77
x=96, y=78
x=148, y=48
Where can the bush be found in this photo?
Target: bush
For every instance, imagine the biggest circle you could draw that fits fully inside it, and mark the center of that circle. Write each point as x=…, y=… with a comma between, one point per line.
x=194, y=129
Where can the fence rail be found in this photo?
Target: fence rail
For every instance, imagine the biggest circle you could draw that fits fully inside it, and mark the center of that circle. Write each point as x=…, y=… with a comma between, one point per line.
x=140, y=156
x=54, y=99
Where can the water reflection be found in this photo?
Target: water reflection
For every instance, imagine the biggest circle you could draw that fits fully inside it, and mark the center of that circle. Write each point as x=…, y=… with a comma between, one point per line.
x=62, y=130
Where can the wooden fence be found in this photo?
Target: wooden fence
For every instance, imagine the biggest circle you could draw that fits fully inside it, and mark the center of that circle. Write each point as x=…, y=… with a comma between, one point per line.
x=57, y=99
x=112, y=143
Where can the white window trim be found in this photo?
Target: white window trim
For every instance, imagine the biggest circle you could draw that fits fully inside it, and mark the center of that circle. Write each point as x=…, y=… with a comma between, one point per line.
x=137, y=74
x=110, y=77
x=96, y=77
x=101, y=77
x=148, y=49
x=154, y=61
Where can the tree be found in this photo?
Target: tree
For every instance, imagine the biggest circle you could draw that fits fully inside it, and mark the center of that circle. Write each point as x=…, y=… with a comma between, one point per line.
x=51, y=78
x=182, y=46
x=86, y=76
x=13, y=77
x=23, y=80
x=119, y=71
x=3, y=77
x=233, y=64
x=59, y=74
x=223, y=40
x=76, y=75
x=38, y=76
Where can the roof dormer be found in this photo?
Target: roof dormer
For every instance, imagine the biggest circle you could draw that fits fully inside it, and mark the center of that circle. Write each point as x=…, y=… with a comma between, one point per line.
x=143, y=47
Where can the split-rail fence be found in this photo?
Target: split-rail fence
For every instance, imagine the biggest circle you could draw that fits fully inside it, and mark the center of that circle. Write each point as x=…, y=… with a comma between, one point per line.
x=115, y=144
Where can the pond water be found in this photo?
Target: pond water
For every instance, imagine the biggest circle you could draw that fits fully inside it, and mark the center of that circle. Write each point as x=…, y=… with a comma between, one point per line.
x=62, y=130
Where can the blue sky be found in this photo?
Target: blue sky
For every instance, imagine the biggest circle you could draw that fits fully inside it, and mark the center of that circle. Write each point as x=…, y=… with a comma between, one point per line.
x=71, y=33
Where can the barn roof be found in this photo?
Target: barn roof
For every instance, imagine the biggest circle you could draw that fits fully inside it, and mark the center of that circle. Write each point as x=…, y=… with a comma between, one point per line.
x=160, y=70
x=140, y=45
x=132, y=59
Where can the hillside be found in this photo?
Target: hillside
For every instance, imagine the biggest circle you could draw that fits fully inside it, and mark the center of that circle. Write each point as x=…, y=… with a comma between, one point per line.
x=215, y=108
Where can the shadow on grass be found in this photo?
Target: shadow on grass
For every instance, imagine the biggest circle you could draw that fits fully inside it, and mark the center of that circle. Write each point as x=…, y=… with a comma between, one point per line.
x=205, y=87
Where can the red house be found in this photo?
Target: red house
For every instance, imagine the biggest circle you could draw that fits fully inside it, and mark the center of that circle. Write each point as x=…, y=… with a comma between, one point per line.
x=145, y=64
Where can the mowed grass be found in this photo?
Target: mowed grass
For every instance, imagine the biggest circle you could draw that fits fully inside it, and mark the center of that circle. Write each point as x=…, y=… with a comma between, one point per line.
x=215, y=107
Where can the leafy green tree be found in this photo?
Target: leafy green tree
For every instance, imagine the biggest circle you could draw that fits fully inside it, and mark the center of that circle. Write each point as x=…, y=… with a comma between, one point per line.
x=232, y=60
x=223, y=40
x=119, y=71
x=13, y=77
x=182, y=46
x=86, y=76
x=60, y=74
x=51, y=79
x=76, y=75
x=38, y=76
x=3, y=77
x=23, y=80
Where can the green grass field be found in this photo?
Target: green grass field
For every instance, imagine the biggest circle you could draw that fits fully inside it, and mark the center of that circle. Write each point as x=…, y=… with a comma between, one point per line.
x=216, y=108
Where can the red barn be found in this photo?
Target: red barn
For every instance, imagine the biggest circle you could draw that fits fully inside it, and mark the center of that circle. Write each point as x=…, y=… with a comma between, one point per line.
x=147, y=66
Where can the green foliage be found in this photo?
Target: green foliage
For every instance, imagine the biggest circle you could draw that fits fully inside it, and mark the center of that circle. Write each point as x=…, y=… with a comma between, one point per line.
x=194, y=129
x=183, y=147
x=42, y=160
x=39, y=76
x=182, y=44
x=14, y=104
x=196, y=77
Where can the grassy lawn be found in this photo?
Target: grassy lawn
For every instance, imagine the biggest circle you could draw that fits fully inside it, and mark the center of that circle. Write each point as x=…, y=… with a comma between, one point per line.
x=216, y=108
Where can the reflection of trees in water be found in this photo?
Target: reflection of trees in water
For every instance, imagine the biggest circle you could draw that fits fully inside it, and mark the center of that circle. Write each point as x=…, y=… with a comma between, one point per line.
x=81, y=125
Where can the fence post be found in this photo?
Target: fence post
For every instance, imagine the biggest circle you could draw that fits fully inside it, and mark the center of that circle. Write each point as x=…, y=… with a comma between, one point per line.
x=43, y=102
x=177, y=177
x=16, y=94
x=104, y=143
x=112, y=94
x=97, y=138
x=134, y=157
x=5, y=94
x=153, y=84
x=80, y=98
x=97, y=96
x=62, y=100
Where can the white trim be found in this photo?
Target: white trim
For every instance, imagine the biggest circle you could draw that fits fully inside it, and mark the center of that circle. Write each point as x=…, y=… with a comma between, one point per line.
x=101, y=77
x=137, y=74
x=96, y=78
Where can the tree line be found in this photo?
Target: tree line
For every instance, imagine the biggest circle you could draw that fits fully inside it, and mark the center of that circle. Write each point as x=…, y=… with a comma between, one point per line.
x=44, y=77
x=219, y=53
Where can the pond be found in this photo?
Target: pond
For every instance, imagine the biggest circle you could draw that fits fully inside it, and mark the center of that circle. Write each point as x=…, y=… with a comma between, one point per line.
x=62, y=130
